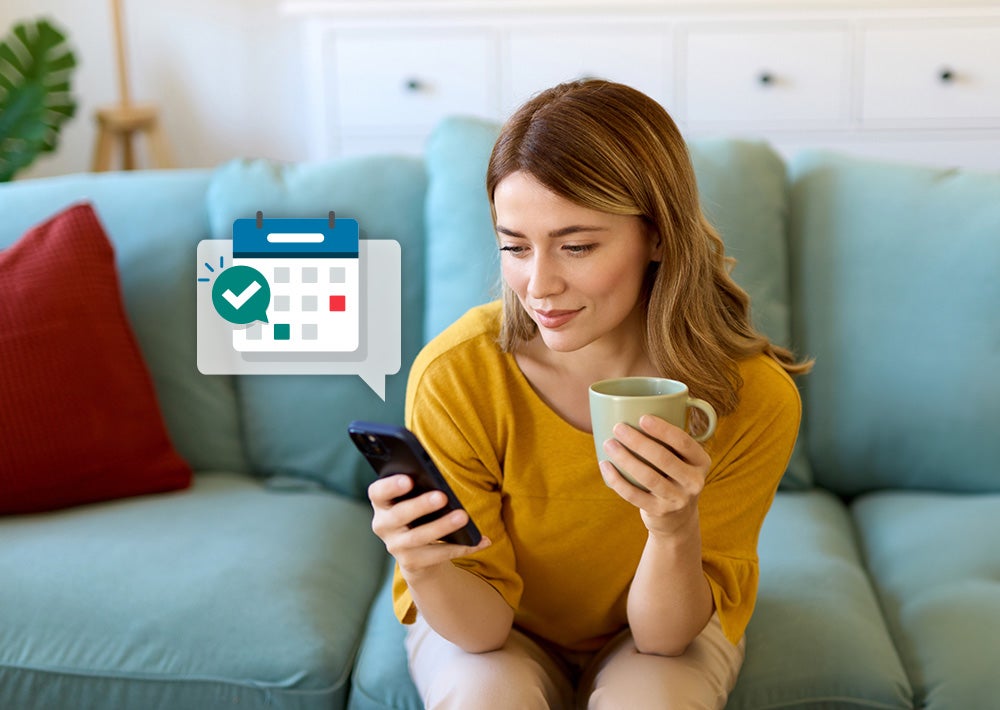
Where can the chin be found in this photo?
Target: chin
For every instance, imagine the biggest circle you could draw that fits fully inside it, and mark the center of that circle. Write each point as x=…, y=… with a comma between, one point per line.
x=559, y=342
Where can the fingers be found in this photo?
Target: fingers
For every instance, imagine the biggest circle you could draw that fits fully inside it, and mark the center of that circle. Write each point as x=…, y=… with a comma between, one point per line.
x=412, y=545
x=383, y=491
x=679, y=441
x=661, y=457
x=614, y=479
x=431, y=532
x=420, y=548
x=392, y=511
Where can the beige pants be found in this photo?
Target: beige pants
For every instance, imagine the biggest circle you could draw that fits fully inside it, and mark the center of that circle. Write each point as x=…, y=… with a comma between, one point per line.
x=524, y=674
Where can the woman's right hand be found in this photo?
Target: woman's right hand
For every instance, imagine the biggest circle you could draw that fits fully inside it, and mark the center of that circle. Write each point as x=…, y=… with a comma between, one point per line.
x=416, y=549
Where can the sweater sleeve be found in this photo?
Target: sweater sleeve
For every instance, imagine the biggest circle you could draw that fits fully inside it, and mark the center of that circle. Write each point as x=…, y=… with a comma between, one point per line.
x=450, y=420
x=741, y=487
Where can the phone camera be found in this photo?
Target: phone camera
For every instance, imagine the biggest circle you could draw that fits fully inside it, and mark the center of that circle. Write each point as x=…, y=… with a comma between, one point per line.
x=372, y=446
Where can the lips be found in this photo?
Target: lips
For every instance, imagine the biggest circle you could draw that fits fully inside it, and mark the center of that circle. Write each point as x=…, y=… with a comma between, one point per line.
x=554, y=319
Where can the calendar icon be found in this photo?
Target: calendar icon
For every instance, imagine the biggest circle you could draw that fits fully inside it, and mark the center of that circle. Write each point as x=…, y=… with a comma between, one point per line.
x=300, y=297
x=311, y=267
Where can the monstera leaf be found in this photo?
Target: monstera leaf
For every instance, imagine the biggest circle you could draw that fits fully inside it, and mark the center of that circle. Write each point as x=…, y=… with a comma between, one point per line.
x=35, y=69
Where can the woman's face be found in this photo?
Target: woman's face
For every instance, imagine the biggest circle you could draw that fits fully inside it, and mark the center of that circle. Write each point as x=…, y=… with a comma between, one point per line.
x=577, y=272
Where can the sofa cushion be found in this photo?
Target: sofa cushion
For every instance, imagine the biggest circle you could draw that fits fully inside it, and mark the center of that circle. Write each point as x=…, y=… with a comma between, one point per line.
x=817, y=637
x=896, y=295
x=934, y=562
x=154, y=220
x=463, y=265
x=743, y=193
x=78, y=412
x=381, y=679
x=225, y=595
x=296, y=425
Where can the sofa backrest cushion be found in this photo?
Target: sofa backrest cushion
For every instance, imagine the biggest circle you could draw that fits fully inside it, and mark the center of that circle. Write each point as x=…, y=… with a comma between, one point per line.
x=743, y=189
x=896, y=280
x=154, y=220
x=296, y=425
x=463, y=265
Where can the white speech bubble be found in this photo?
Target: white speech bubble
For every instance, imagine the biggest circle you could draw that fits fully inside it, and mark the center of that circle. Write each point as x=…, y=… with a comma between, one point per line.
x=380, y=343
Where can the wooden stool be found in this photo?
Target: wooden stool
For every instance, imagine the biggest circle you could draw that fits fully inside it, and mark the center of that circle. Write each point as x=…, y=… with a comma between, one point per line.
x=119, y=124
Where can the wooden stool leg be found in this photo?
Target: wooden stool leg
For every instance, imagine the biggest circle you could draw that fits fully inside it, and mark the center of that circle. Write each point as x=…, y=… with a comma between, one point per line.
x=128, y=157
x=102, y=150
x=159, y=150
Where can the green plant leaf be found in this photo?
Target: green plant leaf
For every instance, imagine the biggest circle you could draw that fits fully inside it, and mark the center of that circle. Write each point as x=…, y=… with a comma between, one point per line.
x=36, y=66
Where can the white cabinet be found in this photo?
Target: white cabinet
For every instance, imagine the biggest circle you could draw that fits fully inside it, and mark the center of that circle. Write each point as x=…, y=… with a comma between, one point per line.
x=932, y=73
x=744, y=75
x=398, y=84
x=639, y=56
x=918, y=82
x=396, y=79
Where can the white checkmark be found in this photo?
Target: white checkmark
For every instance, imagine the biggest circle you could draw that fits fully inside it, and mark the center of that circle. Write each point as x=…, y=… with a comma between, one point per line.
x=238, y=301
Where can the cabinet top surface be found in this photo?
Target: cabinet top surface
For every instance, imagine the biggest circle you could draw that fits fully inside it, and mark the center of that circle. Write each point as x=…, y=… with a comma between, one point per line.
x=387, y=8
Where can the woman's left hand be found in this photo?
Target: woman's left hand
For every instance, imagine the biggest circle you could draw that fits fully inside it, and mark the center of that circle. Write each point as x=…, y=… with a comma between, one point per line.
x=665, y=459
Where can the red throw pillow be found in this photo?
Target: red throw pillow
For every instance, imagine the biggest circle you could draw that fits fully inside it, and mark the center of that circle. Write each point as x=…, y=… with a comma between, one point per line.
x=79, y=420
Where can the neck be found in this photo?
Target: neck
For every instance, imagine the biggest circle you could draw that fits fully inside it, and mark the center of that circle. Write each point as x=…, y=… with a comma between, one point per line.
x=619, y=354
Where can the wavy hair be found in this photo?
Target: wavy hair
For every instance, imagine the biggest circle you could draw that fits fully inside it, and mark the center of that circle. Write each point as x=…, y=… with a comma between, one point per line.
x=611, y=148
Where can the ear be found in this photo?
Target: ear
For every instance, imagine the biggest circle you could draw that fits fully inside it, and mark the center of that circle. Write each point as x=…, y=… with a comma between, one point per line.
x=655, y=245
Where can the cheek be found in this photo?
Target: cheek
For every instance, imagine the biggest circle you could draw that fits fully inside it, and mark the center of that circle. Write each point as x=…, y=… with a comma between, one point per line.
x=613, y=280
x=512, y=276
x=605, y=281
x=621, y=285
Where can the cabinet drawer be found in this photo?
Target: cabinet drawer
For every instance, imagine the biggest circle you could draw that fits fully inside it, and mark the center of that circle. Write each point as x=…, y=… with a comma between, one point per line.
x=741, y=76
x=388, y=79
x=932, y=73
x=637, y=56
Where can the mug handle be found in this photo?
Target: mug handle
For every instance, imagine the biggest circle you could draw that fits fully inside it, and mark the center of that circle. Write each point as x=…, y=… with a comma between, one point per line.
x=709, y=412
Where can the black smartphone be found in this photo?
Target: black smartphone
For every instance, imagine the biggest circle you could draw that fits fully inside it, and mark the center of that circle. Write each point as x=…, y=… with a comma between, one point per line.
x=394, y=449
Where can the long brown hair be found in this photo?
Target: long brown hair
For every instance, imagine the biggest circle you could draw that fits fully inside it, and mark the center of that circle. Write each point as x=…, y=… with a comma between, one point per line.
x=611, y=148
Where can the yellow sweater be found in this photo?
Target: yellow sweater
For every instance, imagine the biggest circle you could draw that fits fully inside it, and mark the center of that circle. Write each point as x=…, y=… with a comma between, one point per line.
x=565, y=546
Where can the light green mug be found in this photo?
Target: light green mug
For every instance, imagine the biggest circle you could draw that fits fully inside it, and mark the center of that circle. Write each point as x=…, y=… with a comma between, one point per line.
x=626, y=399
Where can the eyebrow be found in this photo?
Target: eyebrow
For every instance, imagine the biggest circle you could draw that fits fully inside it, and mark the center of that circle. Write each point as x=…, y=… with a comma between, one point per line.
x=564, y=231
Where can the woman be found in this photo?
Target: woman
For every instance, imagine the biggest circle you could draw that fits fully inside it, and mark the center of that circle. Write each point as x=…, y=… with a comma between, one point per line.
x=587, y=589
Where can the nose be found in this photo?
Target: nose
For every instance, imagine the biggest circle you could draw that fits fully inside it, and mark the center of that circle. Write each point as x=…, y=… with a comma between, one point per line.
x=545, y=278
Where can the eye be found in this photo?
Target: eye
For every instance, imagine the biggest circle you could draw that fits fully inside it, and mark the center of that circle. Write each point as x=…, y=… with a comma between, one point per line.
x=579, y=248
x=512, y=249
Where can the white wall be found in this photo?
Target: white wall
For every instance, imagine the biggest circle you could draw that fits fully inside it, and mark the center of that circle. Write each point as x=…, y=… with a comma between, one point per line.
x=223, y=72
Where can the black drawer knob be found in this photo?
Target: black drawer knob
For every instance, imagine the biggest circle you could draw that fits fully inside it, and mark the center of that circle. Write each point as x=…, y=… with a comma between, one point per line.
x=946, y=75
x=765, y=78
x=413, y=84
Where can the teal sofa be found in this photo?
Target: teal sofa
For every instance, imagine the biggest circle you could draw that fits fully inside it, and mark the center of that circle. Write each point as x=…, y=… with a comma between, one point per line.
x=262, y=586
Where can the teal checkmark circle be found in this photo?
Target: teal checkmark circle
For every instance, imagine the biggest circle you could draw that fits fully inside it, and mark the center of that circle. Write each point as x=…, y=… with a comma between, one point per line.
x=241, y=295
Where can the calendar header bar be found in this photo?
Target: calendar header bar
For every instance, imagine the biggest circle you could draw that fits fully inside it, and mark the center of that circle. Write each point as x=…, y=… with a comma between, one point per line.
x=293, y=237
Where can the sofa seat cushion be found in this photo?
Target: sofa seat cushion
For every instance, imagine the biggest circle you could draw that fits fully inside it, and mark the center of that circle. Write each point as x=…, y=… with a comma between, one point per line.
x=817, y=637
x=933, y=558
x=381, y=676
x=225, y=595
